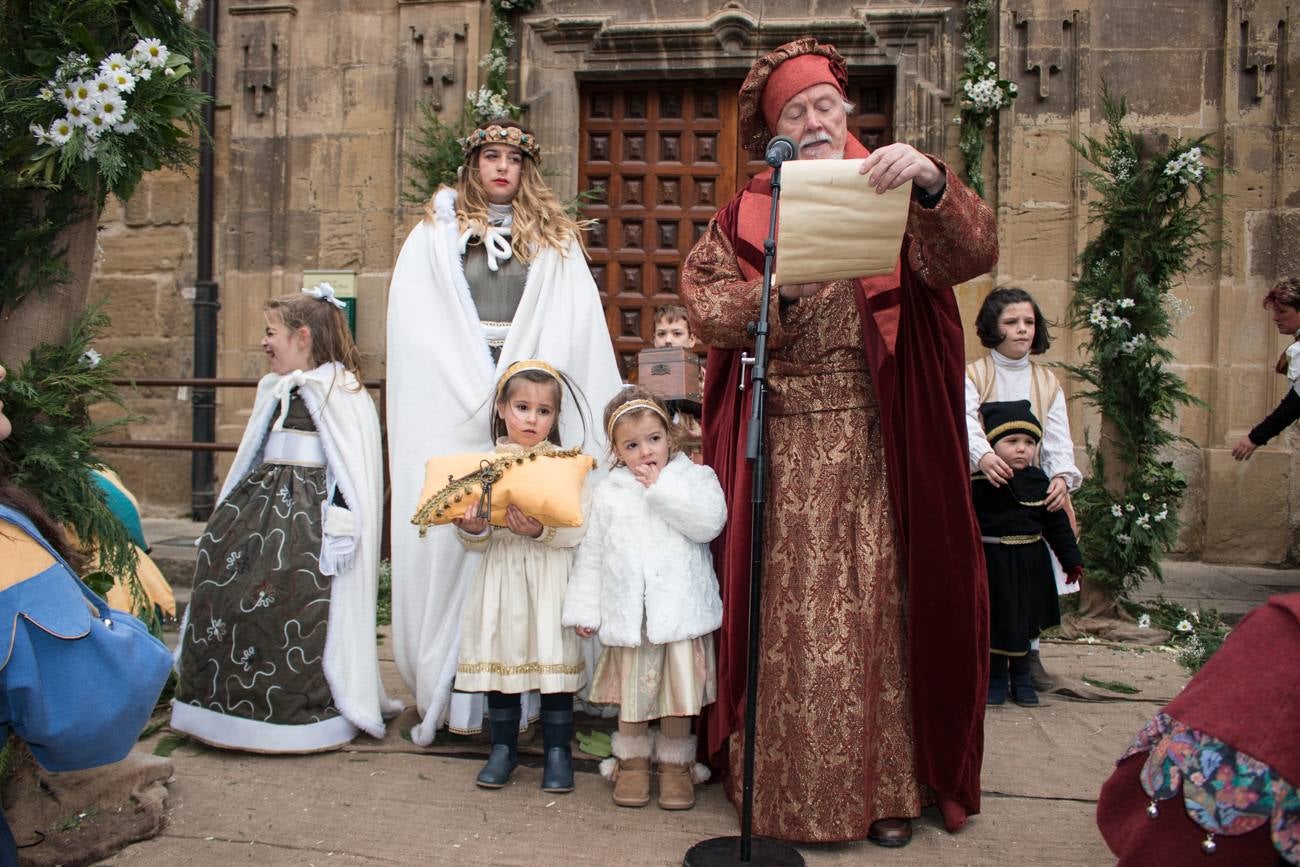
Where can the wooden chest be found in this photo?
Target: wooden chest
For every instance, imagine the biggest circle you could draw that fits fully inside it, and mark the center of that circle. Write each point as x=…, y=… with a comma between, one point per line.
x=674, y=374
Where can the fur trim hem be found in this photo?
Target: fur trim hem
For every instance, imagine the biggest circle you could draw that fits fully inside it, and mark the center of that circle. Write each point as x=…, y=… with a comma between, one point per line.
x=609, y=769
x=675, y=751
x=700, y=773
x=633, y=746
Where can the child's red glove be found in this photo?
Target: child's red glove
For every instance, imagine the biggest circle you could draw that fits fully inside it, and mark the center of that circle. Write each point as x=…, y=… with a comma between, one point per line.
x=1075, y=573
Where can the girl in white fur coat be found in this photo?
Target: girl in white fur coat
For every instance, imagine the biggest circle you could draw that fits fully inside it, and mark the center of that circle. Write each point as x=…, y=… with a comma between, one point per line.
x=643, y=579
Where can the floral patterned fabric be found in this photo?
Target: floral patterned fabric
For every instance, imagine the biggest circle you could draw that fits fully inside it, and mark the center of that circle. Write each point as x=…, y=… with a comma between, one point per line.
x=1224, y=791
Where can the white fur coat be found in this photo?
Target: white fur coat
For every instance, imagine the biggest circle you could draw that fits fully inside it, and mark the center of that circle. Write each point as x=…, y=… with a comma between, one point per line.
x=646, y=557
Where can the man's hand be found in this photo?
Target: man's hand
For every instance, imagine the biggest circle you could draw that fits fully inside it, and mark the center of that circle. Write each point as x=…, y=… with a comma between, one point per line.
x=1057, y=491
x=1244, y=448
x=800, y=290
x=996, y=470
x=895, y=164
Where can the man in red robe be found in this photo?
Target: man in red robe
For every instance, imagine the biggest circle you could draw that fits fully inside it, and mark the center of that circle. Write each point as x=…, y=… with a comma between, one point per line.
x=874, y=621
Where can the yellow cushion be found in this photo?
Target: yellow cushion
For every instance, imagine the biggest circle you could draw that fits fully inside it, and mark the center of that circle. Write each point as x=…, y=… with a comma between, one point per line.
x=543, y=482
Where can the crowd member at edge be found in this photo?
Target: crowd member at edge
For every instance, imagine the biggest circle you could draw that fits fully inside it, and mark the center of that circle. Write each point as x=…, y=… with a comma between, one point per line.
x=875, y=609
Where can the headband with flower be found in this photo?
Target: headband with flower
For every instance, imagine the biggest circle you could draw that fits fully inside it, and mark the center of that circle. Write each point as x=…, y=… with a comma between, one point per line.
x=325, y=292
x=495, y=133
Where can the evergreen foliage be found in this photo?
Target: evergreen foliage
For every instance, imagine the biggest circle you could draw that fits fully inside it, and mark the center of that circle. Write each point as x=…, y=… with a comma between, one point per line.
x=981, y=94
x=1154, y=205
x=51, y=452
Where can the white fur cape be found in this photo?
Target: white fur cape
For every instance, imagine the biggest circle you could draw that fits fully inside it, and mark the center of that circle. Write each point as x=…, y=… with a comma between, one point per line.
x=441, y=380
x=348, y=425
x=645, y=556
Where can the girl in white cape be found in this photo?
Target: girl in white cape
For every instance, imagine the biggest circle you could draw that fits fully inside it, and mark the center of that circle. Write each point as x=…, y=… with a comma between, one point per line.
x=494, y=275
x=277, y=650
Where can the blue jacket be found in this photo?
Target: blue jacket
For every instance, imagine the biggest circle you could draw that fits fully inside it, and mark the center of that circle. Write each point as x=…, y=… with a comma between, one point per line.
x=78, y=680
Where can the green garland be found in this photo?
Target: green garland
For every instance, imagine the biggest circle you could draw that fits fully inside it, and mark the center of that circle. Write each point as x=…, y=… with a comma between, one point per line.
x=93, y=94
x=981, y=94
x=51, y=451
x=1154, y=206
x=438, y=155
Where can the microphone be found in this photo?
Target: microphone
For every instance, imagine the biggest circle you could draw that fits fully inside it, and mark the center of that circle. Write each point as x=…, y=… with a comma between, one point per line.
x=780, y=149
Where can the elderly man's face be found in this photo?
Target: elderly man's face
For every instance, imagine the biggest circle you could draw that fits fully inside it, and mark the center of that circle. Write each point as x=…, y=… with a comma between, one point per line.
x=815, y=119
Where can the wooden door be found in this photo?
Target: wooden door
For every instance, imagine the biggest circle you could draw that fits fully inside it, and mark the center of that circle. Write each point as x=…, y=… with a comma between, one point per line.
x=659, y=159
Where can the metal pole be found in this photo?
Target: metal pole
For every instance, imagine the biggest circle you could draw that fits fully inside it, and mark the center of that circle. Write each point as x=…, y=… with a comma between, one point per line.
x=206, y=294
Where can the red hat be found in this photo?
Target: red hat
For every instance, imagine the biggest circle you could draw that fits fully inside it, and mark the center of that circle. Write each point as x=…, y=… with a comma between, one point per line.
x=779, y=75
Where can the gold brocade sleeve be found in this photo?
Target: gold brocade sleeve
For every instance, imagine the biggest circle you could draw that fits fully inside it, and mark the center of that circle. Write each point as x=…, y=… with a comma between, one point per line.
x=956, y=240
x=721, y=302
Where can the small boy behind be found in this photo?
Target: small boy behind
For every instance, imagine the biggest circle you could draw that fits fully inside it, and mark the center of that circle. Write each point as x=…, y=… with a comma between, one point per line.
x=672, y=327
x=1015, y=524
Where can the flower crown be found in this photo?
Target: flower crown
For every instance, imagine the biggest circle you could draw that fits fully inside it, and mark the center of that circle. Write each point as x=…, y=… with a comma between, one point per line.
x=497, y=134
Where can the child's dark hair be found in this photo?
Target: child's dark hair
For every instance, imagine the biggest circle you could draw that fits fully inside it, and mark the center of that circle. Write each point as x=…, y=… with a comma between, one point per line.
x=653, y=405
x=986, y=323
x=330, y=338
x=671, y=313
x=557, y=379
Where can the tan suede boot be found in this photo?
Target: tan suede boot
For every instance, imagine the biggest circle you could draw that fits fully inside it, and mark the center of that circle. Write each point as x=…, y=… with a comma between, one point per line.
x=677, y=772
x=629, y=769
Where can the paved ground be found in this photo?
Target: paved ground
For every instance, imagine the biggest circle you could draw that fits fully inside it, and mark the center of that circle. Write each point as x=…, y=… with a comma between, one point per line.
x=389, y=802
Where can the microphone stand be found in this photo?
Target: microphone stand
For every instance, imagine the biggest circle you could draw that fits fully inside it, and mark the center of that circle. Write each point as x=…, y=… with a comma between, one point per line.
x=748, y=849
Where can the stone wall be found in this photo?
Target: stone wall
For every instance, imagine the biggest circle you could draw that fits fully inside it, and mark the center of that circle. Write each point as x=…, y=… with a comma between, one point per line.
x=317, y=99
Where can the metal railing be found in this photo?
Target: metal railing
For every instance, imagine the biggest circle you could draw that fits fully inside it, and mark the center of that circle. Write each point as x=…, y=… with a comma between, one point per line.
x=193, y=446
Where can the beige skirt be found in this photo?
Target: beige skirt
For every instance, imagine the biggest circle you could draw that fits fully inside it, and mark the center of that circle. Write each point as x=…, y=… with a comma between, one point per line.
x=657, y=680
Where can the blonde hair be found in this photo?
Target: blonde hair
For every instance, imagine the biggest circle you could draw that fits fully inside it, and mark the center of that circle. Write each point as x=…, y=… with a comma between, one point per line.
x=658, y=409
x=330, y=338
x=538, y=218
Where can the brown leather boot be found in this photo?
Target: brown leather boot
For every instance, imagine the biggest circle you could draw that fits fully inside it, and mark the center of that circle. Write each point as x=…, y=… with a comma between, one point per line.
x=674, y=768
x=629, y=769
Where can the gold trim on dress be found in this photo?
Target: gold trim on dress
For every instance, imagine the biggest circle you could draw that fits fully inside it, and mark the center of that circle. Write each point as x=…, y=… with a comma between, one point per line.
x=527, y=668
x=548, y=534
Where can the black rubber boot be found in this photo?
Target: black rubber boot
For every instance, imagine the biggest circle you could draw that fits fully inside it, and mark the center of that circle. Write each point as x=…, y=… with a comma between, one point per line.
x=504, y=725
x=1022, y=687
x=997, y=679
x=1040, y=678
x=557, y=737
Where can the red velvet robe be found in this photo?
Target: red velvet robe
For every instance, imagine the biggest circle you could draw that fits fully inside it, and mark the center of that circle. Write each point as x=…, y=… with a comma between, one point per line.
x=912, y=339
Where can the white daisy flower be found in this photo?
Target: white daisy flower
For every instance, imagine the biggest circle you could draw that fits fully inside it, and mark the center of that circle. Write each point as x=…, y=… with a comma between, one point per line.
x=97, y=125
x=112, y=111
x=126, y=128
x=77, y=115
x=46, y=95
x=104, y=85
x=123, y=80
x=1184, y=626
x=1144, y=622
x=114, y=62
x=1117, y=511
x=61, y=131
x=90, y=358
x=150, y=51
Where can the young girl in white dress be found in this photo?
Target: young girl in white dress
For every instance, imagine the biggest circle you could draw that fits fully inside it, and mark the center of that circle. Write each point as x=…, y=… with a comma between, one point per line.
x=644, y=580
x=511, y=639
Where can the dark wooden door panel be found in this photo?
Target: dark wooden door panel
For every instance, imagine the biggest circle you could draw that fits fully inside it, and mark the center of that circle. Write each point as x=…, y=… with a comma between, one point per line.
x=662, y=158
